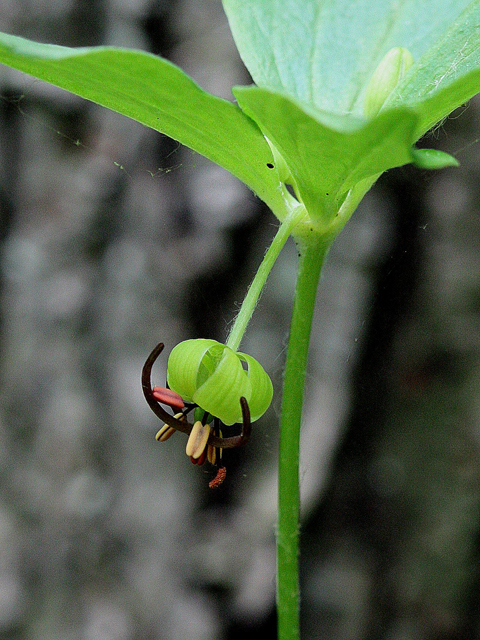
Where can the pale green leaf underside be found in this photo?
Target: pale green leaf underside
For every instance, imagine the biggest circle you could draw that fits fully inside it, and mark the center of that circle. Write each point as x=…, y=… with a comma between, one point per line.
x=158, y=94
x=324, y=52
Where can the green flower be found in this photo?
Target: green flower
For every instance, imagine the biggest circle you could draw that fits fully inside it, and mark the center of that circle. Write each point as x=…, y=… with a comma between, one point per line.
x=214, y=377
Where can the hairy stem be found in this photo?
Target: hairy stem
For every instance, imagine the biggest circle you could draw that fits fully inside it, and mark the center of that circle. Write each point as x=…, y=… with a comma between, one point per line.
x=255, y=289
x=312, y=256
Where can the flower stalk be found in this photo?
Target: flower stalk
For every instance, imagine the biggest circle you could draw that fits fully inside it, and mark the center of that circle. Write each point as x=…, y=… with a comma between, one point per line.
x=239, y=327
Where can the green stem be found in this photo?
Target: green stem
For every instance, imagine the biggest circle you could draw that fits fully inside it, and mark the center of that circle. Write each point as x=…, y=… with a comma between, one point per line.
x=312, y=256
x=256, y=287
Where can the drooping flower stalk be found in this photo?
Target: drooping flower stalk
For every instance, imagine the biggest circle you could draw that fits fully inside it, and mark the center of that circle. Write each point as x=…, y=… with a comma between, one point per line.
x=253, y=294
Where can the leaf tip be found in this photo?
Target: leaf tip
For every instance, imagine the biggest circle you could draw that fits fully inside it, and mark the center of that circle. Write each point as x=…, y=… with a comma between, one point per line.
x=433, y=159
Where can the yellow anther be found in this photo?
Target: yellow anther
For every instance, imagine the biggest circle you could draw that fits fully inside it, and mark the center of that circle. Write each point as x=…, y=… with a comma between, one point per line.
x=166, y=431
x=197, y=440
x=211, y=454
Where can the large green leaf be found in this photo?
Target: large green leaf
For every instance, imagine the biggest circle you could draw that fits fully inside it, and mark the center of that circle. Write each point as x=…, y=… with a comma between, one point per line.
x=158, y=94
x=328, y=154
x=312, y=61
x=324, y=52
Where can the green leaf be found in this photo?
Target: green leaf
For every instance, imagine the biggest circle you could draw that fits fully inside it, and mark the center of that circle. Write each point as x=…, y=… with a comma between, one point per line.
x=327, y=154
x=158, y=94
x=324, y=52
x=316, y=58
x=448, y=74
x=315, y=62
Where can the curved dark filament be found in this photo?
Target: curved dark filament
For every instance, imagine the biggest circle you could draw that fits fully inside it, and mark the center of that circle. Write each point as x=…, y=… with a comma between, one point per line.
x=183, y=425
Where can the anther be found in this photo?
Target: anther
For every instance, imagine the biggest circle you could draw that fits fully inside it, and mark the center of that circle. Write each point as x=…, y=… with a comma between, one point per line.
x=197, y=440
x=211, y=454
x=165, y=433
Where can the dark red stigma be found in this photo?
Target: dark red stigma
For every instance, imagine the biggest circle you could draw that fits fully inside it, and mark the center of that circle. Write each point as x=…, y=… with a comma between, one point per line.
x=168, y=397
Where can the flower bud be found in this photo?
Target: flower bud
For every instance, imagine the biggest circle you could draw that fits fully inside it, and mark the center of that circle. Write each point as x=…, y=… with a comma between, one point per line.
x=433, y=159
x=391, y=70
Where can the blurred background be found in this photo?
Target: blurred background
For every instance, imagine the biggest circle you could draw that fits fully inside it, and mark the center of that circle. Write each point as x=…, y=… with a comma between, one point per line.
x=114, y=238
